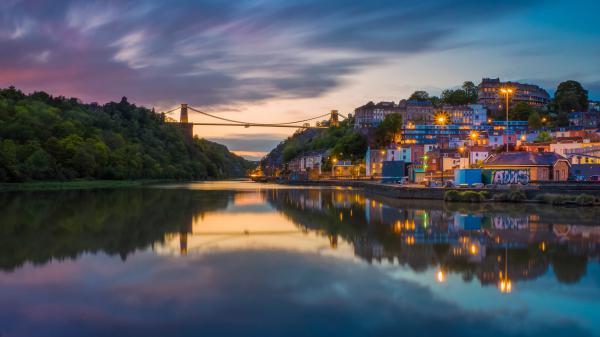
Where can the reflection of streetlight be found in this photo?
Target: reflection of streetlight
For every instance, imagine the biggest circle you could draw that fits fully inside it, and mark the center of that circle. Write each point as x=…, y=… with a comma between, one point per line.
x=440, y=276
x=505, y=284
x=507, y=92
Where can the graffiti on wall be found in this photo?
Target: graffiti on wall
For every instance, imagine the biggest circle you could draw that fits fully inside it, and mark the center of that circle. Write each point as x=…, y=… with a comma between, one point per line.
x=504, y=177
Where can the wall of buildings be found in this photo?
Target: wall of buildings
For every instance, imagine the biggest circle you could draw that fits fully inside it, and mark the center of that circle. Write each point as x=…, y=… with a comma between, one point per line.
x=491, y=98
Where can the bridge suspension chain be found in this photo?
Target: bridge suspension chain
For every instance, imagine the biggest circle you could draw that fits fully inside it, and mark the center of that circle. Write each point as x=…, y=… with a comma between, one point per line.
x=244, y=123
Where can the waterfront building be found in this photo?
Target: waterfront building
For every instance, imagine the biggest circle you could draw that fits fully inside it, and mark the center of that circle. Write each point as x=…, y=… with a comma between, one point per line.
x=374, y=158
x=539, y=166
x=343, y=168
x=489, y=94
x=582, y=172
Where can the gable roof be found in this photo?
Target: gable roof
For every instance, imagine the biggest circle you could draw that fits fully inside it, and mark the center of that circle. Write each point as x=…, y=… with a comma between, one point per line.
x=524, y=158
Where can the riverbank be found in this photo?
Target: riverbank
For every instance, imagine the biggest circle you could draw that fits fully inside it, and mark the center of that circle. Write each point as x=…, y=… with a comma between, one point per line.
x=556, y=193
x=75, y=185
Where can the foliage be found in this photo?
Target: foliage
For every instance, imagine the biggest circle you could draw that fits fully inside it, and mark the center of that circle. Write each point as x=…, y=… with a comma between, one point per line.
x=465, y=196
x=570, y=96
x=521, y=111
x=534, y=121
x=568, y=199
x=513, y=195
x=342, y=141
x=58, y=138
x=543, y=137
x=388, y=129
x=466, y=95
x=420, y=95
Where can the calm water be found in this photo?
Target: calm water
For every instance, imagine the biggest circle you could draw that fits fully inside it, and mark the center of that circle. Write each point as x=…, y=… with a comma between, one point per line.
x=240, y=259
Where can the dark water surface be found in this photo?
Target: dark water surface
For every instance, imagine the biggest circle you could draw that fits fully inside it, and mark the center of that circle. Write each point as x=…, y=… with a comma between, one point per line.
x=241, y=259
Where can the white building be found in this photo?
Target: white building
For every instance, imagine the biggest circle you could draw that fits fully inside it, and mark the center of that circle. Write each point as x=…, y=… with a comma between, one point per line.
x=478, y=154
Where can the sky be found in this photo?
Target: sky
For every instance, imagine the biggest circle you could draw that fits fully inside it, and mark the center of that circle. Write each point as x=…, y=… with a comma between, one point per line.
x=285, y=60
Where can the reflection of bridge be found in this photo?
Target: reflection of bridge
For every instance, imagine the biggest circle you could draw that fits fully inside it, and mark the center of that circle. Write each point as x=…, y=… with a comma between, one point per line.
x=299, y=124
x=217, y=237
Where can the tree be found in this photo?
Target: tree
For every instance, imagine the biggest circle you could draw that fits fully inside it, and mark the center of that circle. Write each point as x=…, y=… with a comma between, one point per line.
x=534, y=121
x=436, y=101
x=455, y=97
x=570, y=96
x=420, y=95
x=388, y=129
x=521, y=111
x=57, y=138
x=543, y=137
x=471, y=91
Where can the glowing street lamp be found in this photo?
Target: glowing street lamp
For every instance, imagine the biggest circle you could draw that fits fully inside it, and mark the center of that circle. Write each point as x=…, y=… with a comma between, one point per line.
x=507, y=92
x=441, y=120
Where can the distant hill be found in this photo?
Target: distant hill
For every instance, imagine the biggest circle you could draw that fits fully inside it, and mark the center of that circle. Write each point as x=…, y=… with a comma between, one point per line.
x=57, y=138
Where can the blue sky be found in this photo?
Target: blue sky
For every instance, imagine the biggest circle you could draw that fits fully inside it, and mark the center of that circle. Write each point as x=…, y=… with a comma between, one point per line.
x=275, y=60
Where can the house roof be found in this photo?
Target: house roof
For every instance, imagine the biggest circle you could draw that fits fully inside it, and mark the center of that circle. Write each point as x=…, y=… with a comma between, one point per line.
x=524, y=158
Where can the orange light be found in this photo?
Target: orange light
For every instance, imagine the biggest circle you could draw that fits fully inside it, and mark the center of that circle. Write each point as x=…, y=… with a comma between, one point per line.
x=440, y=276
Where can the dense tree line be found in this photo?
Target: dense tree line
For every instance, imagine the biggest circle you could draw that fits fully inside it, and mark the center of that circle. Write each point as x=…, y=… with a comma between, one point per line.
x=343, y=142
x=57, y=138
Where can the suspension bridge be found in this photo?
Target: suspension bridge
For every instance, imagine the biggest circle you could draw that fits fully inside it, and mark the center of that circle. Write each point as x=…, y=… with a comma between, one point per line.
x=184, y=109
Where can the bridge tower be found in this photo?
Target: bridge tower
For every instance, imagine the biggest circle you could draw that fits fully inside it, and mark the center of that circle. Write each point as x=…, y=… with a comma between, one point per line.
x=186, y=126
x=183, y=117
x=334, y=118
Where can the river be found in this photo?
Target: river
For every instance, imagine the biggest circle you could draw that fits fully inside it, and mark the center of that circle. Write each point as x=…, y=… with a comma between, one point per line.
x=247, y=259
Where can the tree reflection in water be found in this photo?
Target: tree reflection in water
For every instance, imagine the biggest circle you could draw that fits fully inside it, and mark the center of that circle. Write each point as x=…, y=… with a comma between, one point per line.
x=493, y=243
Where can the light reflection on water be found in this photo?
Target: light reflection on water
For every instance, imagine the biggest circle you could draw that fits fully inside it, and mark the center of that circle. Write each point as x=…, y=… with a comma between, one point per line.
x=238, y=258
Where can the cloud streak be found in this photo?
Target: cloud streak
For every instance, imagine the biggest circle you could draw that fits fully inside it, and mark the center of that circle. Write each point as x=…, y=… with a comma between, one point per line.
x=218, y=53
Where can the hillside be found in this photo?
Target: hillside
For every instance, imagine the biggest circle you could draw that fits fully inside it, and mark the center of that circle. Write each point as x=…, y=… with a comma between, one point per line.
x=342, y=141
x=57, y=138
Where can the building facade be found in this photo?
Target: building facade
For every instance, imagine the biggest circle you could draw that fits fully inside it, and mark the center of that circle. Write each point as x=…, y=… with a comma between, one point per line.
x=470, y=114
x=491, y=98
x=371, y=114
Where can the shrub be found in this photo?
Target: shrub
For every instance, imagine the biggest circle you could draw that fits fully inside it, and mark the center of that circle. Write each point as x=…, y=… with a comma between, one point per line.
x=466, y=196
x=516, y=195
x=585, y=200
x=451, y=195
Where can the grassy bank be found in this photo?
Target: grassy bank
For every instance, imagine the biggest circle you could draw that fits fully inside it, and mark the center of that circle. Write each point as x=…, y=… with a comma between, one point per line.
x=75, y=185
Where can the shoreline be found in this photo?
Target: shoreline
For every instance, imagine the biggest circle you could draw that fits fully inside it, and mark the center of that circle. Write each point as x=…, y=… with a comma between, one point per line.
x=533, y=194
x=76, y=185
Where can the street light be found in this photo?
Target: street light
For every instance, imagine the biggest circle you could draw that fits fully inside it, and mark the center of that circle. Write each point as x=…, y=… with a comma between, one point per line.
x=441, y=119
x=507, y=92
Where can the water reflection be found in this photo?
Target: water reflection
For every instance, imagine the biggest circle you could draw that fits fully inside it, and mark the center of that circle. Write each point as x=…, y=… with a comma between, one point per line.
x=490, y=243
x=298, y=262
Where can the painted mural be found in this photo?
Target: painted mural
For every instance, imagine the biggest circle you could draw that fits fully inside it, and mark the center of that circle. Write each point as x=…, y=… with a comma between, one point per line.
x=508, y=176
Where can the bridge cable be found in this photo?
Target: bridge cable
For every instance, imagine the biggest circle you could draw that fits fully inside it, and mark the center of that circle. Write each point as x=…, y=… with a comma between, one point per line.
x=168, y=112
x=244, y=123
